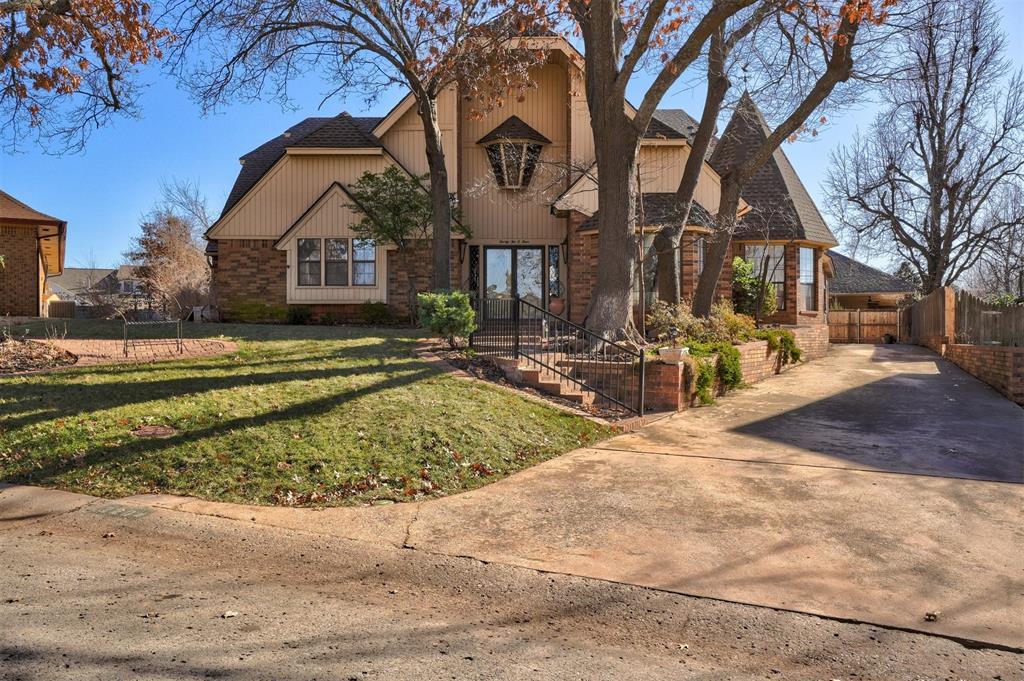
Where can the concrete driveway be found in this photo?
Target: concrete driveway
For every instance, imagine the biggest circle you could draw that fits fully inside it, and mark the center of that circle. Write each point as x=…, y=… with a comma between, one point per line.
x=879, y=484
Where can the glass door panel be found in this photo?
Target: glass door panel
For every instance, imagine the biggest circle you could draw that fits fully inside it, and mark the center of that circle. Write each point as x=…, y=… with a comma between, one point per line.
x=530, y=275
x=499, y=283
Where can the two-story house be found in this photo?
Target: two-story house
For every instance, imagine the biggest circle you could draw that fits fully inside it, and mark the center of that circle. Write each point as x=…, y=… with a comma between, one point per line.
x=524, y=182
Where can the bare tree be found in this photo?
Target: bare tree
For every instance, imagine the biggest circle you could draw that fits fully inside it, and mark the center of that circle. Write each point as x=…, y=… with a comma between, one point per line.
x=252, y=48
x=949, y=137
x=167, y=253
x=67, y=67
x=819, y=47
x=999, y=273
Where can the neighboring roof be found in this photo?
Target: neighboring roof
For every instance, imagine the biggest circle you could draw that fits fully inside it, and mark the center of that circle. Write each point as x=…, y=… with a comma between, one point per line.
x=16, y=211
x=782, y=208
x=260, y=160
x=659, y=209
x=80, y=279
x=514, y=128
x=856, y=277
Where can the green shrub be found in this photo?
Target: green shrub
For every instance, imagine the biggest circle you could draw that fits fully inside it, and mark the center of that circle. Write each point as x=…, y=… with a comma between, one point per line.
x=746, y=284
x=727, y=368
x=255, y=311
x=728, y=325
x=374, y=314
x=448, y=314
x=299, y=314
x=782, y=341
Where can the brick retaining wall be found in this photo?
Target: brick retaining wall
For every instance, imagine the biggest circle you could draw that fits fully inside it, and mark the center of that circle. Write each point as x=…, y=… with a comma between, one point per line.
x=669, y=386
x=1000, y=367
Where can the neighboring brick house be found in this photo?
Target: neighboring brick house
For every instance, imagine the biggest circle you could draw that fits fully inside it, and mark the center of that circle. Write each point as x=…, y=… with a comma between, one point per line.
x=856, y=286
x=518, y=176
x=32, y=244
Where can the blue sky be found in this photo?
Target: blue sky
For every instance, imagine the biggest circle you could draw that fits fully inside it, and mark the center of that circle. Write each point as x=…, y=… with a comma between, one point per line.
x=103, y=191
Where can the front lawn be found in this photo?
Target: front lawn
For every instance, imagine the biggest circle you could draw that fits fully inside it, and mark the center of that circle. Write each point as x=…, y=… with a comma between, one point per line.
x=299, y=415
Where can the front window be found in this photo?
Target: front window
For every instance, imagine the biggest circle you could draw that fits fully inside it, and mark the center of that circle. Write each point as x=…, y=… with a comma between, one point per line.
x=364, y=262
x=336, y=262
x=770, y=262
x=309, y=262
x=700, y=246
x=808, y=292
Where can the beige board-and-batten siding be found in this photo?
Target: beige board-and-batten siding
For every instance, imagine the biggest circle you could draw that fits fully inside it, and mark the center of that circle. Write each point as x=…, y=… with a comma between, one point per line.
x=404, y=139
x=288, y=190
x=331, y=218
x=524, y=215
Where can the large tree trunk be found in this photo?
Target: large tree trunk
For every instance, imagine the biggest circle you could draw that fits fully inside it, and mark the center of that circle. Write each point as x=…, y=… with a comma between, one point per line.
x=617, y=145
x=718, y=248
x=441, y=203
x=667, y=242
x=611, y=307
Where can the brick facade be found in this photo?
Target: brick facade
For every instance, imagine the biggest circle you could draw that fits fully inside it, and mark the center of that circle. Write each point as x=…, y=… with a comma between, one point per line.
x=1000, y=367
x=249, y=280
x=21, y=278
x=250, y=277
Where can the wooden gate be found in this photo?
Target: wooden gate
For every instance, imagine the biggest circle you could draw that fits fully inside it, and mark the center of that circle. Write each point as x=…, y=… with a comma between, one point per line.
x=863, y=326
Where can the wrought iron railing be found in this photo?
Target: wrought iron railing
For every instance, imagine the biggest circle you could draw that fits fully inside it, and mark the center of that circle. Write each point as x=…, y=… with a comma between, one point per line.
x=516, y=329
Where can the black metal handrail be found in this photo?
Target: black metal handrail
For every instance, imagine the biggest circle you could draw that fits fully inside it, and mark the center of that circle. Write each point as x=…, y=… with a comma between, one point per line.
x=516, y=329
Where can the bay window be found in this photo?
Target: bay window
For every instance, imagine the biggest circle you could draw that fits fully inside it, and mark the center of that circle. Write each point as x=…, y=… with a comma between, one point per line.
x=808, y=271
x=772, y=257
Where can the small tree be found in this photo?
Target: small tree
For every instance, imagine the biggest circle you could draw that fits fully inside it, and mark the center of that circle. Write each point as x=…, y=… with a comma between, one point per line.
x=170, y=262
x=396, y=211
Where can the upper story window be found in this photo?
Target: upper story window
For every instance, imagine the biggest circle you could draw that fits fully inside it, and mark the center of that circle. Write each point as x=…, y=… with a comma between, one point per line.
x=513, y=149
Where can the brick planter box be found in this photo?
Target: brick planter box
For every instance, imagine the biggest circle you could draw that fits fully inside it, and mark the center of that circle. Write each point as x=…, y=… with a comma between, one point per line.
x=670, y=387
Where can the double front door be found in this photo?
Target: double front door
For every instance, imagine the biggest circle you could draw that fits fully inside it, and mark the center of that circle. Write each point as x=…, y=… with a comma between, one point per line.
x=513, y=272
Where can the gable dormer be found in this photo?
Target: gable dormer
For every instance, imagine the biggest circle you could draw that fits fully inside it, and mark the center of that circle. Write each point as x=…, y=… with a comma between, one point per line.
x=513, y=149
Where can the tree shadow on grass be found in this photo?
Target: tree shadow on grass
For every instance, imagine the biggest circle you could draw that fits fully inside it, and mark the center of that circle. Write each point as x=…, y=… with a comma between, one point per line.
x=61, y=396
x=137, y=449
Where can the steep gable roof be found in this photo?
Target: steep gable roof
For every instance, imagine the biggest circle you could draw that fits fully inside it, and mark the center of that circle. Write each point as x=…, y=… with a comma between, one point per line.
x=342, y=130
x=852, y=276
x=782, y=207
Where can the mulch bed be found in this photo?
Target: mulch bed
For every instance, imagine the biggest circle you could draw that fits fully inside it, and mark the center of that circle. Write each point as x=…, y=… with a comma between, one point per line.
x=486, y=370
x=18, y=356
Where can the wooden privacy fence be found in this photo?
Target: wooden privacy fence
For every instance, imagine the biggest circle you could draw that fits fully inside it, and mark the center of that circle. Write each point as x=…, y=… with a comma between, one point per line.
x=62, y=309
x=981, y=323
x=864, y=326
x=928, y=317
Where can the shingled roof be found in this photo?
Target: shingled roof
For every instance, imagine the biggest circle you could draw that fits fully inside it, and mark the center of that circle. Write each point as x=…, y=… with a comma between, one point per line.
x=659, y=209
x=781, y=206
x=856, y=277
x=341, y=131
x=514, y=128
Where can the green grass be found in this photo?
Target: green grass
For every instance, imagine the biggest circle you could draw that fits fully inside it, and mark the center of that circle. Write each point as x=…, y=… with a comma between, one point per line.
x=299, y=415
